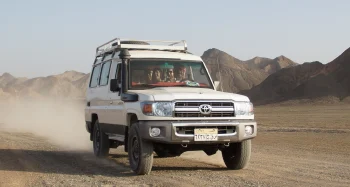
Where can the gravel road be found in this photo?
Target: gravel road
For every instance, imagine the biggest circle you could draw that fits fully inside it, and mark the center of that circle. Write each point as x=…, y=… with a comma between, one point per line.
x=279, y=158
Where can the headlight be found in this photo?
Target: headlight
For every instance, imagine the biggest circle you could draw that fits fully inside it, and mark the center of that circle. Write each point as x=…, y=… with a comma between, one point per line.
x=157, y=108
x=244, y=109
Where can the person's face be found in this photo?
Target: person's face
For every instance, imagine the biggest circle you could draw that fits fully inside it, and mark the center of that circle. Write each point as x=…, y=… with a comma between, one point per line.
x=170, y=73
x=150, y=73
x=181, y=73
x=157, y=74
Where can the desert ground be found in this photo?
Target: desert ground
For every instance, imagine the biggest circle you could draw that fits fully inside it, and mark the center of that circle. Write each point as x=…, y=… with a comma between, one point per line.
x=46, y=144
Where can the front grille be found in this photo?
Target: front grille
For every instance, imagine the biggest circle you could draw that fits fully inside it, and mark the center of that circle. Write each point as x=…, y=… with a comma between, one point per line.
x=197, y=104
x=191, y=109
x=189, y=130
x=196, y=115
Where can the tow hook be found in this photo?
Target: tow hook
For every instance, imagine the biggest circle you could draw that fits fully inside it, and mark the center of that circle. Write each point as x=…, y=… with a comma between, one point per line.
x=184, y=145
x=226, y=144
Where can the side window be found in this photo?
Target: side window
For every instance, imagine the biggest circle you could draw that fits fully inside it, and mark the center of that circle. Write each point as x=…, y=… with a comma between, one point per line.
x=118, y=75
x=105, y=73
x=95, y=76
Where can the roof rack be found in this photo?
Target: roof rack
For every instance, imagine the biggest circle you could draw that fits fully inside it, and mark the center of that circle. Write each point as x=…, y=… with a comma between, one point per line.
x=118, y=43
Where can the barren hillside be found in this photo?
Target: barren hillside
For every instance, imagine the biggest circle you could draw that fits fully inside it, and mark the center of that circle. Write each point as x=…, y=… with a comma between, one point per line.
x=237, y=75
x=312, y=81
x=68, y=84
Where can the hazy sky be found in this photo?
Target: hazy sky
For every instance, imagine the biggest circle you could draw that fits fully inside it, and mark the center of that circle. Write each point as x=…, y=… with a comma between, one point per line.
x=40, y=38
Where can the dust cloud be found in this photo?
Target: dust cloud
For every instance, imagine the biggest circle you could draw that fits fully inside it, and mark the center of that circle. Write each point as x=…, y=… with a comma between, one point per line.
x=61, y=122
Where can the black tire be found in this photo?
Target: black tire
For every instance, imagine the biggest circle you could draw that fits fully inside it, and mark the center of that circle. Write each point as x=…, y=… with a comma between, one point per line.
x=100, y=141
x=237, y=155
x=140, y=152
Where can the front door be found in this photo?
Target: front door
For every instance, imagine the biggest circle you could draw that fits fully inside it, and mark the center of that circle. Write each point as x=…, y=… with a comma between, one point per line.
x=116, y=110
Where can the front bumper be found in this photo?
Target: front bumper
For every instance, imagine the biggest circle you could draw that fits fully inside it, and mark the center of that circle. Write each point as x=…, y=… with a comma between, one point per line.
x=170, y=131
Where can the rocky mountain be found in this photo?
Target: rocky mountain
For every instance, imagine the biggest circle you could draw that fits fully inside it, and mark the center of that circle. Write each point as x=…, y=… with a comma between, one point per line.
x=70, y=84
x=312, y=80
x=6, y=78
x=237, y=75
x=270, y=65
x=264, y=80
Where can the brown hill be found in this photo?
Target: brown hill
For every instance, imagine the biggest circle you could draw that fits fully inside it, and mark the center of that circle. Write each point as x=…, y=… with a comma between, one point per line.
x=312, y=81
x=270, y=65
x=237, y=75
x=5, y=79
x=70, y=76
x=69, y=84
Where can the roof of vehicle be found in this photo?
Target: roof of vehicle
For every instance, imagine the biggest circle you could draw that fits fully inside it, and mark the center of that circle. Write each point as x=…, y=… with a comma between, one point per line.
x=163, y=54
x=145, y=49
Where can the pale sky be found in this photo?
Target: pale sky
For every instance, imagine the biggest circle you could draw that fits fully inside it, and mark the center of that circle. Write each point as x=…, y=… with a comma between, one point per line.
x=41, y=38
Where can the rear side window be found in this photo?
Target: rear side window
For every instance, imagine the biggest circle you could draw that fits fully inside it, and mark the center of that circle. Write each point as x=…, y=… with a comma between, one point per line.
x=95, y=76
x=118, y=74
x=105, y=73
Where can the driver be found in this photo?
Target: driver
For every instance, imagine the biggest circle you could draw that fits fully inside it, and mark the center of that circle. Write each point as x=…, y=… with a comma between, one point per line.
x=181, y=73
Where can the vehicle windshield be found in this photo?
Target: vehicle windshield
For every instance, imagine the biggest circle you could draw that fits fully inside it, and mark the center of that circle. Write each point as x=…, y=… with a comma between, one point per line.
x=145, y=74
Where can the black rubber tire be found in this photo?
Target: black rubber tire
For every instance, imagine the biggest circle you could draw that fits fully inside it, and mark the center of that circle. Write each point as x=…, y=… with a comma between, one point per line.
x=237, y=155
x=143, y=150
x=100, y=141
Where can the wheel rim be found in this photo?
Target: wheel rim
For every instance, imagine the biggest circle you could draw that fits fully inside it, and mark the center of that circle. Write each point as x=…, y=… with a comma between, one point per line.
x=135, y=150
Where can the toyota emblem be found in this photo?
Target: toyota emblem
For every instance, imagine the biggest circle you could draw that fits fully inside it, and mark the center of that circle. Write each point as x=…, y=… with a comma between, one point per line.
x=205, y=109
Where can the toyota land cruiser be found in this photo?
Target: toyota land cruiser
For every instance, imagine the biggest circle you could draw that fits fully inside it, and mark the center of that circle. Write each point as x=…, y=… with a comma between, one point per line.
x=160, y=98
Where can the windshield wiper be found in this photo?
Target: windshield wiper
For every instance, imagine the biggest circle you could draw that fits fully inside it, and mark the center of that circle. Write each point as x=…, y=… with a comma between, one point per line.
x=144, y=85
x=185, y=85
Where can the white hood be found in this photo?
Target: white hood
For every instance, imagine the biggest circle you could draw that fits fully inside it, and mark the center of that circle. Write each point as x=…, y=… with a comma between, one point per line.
x=182, y=93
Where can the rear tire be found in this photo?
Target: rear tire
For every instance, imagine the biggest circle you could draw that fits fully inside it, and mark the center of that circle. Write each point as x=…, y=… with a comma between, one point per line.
x=100, y=141
x=140, y=152
x=237, y=155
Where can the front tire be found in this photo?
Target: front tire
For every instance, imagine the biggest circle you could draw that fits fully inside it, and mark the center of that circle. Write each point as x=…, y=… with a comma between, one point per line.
x=237, y=155
x=140, y=152
x=100, y=141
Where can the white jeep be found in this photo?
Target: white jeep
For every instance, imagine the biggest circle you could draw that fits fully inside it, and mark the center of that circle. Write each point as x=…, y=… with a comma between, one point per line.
x=160, y=98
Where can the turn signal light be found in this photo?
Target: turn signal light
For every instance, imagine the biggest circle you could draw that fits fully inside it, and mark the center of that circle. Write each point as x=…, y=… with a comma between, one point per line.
x=147, y=108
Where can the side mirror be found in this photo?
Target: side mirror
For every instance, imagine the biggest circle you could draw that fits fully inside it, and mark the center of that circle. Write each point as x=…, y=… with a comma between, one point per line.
x=114, y=86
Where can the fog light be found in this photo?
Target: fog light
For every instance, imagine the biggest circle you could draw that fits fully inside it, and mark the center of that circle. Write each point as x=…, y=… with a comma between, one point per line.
x=154, y=132
x=248, y=130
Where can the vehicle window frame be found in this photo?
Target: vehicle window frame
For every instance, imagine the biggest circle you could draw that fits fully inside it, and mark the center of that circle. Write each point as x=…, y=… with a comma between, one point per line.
x=92, y=74
x=101, y=71
x=170, y=60
x=118, y=71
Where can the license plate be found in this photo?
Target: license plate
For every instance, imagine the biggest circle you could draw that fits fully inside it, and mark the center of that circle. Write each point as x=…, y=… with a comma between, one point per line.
x=206, y=134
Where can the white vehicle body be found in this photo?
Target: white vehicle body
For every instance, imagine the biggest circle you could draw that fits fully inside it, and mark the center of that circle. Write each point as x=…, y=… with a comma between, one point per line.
x=191, y=107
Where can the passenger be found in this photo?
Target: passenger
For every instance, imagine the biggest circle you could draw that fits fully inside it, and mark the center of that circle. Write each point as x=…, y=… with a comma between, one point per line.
x=170, y=76
x=156, y=76
x=149, y=76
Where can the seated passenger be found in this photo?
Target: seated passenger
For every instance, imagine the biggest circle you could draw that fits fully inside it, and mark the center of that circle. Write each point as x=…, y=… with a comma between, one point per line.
x=149, y=76
x=170, y=76
x=156, y=76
